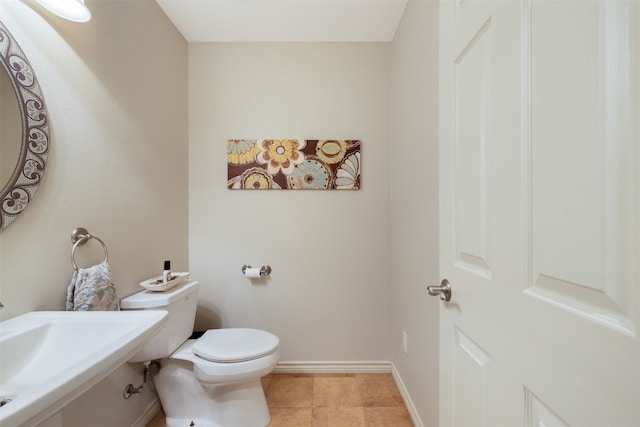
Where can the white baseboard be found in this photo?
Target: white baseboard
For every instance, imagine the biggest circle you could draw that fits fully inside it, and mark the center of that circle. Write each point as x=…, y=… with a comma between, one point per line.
x=380, y=367
x=417, y=421
x=373, y=367
x=148, y=414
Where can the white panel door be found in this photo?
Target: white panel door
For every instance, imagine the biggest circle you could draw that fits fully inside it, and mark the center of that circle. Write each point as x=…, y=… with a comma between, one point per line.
x=540, y=213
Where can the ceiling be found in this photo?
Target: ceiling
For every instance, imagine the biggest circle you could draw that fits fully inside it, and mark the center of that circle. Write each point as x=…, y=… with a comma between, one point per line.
x=285, y=20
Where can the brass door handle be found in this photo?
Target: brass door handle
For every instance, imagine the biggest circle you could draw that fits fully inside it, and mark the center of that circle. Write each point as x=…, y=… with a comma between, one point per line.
x=444, y=290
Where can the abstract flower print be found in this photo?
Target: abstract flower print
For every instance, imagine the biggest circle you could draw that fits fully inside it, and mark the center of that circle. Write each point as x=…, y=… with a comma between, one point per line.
x=281, y=155
x=348, y=175
x=312, y=174
x=295, y=164
x=256, y=179
x=331, y=151
x=241, y=151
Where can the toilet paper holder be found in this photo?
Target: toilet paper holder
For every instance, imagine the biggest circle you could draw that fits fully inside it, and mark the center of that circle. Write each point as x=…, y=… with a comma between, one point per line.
x=265, y=270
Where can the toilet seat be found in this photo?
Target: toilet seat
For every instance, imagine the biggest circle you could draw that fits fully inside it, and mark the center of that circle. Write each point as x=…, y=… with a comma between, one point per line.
x=210, y=373
x=235, y=345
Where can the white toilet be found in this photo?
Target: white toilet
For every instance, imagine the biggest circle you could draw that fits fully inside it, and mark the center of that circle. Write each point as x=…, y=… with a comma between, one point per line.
x=212, y=381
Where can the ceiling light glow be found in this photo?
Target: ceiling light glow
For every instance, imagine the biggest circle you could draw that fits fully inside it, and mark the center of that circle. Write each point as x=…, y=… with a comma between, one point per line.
x=73, y=10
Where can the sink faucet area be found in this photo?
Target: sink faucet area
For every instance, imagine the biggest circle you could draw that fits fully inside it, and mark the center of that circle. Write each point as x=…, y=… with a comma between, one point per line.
x=48, y=358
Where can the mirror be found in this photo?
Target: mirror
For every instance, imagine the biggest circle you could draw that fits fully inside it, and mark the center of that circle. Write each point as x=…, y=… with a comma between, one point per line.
x=24, y=131
x=10, y=128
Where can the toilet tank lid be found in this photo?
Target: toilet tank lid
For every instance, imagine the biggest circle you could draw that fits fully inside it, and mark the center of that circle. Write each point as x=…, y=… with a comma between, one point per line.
x=150, y=299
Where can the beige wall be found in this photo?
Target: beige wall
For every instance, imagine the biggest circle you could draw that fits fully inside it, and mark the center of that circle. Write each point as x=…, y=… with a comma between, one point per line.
x=414, y=204
x=116, y=91
x=327, y=298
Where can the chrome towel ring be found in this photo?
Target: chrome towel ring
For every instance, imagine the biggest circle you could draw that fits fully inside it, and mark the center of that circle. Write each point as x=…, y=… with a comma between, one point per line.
x=79, y=237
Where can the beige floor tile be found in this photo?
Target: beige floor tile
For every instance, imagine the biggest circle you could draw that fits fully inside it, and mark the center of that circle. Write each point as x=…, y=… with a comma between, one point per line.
x=396, y=416
x=290, y=417
x=335, y=391
x=330, y=400
x=379, y=390
x=290, y=391
x=158, y=420
x=338, y=417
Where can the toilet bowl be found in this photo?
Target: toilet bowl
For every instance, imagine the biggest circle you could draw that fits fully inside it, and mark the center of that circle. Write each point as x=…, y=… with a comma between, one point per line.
x=212, y=381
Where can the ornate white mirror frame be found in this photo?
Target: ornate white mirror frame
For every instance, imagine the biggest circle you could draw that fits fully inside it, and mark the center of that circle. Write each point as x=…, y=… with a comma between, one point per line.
x=23, y=184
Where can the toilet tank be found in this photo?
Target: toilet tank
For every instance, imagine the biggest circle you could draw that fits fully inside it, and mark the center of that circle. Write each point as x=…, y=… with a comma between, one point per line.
x=180, y=303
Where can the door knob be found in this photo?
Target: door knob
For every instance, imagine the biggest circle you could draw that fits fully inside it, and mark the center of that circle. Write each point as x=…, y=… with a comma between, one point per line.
x=444, y=290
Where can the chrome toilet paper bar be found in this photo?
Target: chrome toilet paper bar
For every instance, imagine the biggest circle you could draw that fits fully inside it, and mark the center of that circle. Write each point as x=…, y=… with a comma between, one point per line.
x=250, y=272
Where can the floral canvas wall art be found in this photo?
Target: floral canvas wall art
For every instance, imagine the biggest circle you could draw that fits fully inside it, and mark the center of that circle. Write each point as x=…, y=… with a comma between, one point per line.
x=293, y=164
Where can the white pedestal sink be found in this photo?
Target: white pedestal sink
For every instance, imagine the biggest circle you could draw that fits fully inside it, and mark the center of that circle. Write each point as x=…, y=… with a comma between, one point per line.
x=48, y=358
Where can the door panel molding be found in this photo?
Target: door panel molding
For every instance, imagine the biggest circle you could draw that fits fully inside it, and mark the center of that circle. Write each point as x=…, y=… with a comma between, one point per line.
x=472, y=108
x=470, y=373
x=592, y=304
x=574, y=169
x=539, y=414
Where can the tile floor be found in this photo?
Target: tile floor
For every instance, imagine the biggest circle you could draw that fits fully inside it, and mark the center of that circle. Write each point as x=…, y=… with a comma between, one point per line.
x=330, y=400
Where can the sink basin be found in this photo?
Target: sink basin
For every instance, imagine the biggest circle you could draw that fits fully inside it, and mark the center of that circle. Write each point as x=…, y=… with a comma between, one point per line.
x=48, y=358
